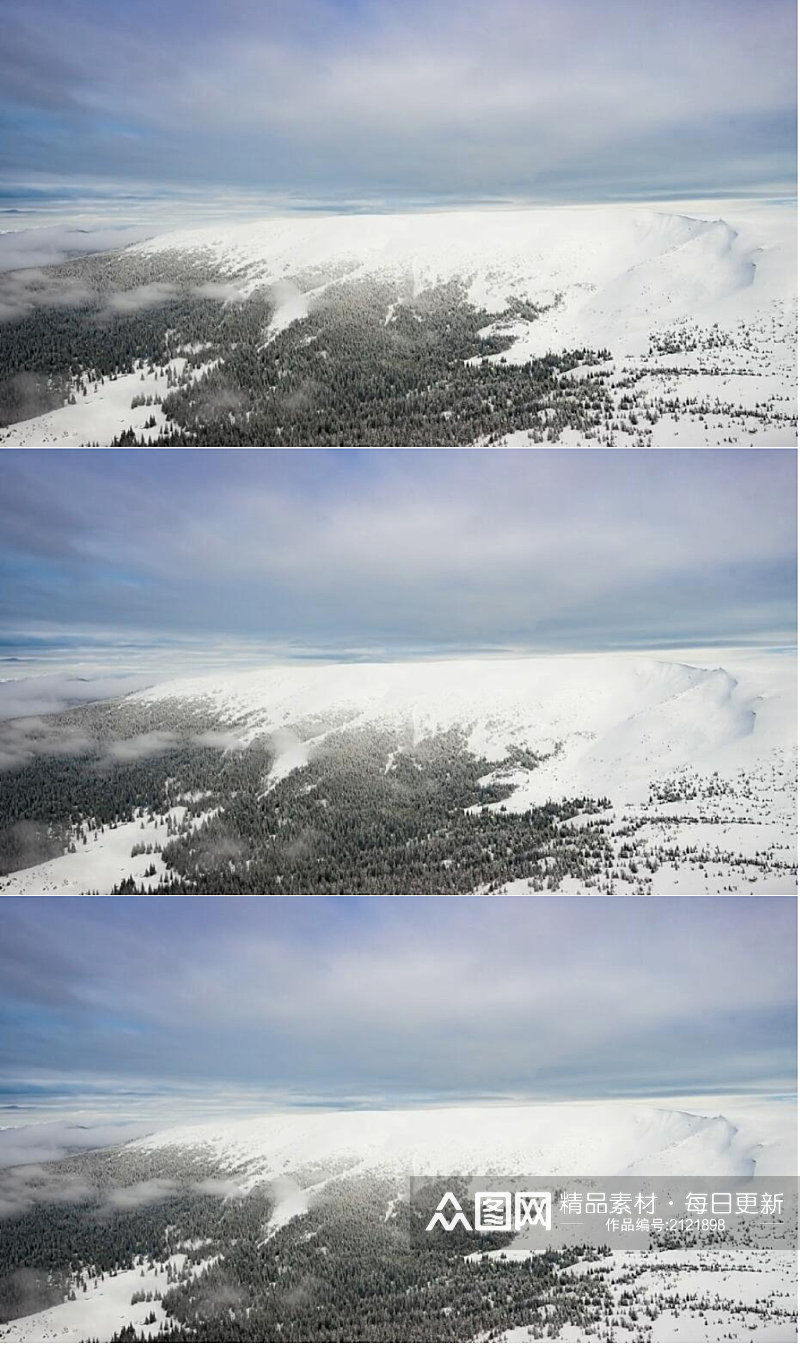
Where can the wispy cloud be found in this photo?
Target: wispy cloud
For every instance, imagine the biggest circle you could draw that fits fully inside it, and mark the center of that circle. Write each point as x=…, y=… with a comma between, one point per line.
x=29, y=250
x=21, y=740
x=149, y=1192
x=26, y=1185
x=35, y=697
x=46, y=1141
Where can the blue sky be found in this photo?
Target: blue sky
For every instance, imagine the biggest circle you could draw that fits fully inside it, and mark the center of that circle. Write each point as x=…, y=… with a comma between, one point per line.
x=152, y=111
x=354, y=1000
x=137, y=562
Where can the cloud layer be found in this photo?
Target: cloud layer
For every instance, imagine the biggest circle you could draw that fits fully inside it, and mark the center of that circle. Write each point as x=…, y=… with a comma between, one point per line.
x=31, y=699
x=436, y=996
x=27, y=252
x=400, y=551
x=411, y=100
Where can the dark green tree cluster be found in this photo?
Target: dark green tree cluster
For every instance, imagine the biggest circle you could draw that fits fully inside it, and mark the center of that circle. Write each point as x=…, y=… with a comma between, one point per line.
x=343, y=1273
x=73, y=779
x=120, y=313
x=365, y=369
x=371, y=813
x=366, y=818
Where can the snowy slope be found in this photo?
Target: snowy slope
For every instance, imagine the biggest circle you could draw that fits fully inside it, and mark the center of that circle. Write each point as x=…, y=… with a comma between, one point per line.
x=99, y=1312
x=610, y=723
x=545, y=1138
x=497, y=253
x=697, y=757
x=690, y=1297
x=104, y=1308
x=713, y=285
x=105, y=412
x=752, y=1291
x=619, y=268
x=100, y=863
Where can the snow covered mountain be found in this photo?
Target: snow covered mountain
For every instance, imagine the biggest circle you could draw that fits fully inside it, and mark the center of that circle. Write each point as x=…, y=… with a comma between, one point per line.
x=582, y=774
x=555, y=1138
x=672, y=325
x=277, y=1226
x=697, y=306
x=603, y=725
x=620, y=272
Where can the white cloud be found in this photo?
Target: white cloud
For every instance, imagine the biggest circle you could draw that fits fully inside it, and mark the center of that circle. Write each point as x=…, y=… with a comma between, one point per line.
x=220, y=1187
x=142, y=746
x=218, y=290
x=22, y=739
x=141, y=1193
x=37, y=696
x=27, y=1146
x=141, y=297
x=23, y=1186
x=29, y=250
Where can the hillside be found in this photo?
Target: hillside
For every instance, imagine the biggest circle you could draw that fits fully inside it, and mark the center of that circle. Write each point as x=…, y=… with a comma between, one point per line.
x=300, y=1227
x=596, y=774
x=583, y=325
x=596, y=722
x=620, y=271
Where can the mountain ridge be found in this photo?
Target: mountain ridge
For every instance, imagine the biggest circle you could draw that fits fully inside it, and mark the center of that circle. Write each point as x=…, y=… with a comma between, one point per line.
x=632, y=1138
x=583, y=713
